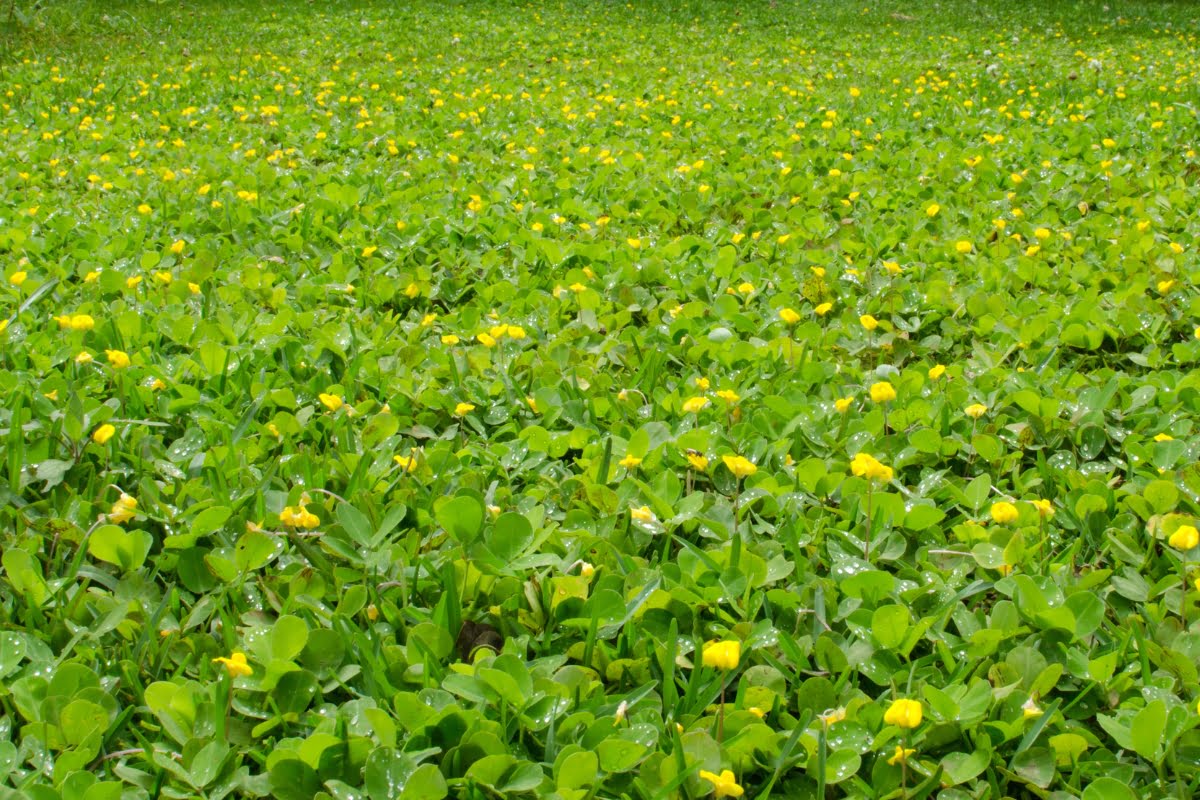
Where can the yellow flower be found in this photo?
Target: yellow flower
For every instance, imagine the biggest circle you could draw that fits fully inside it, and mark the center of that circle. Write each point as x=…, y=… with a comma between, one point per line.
x=1176, y=248
x=629, y=462
x=903, y=713
x=634, y=243
x=1185, y=537
x=84, y=358
x=865, y=465
x=194, y=288
x=882, y=392
x=789, y=316
x=975, y=410
x=1165, y=286
x=724, y=784
x=1003, y=512
x=722, y=655
x=516, y=332
x=756, y=711
x=932, y=210
x=103, y=434
x=462, y=409
x=832, y=717
x=745, y=288
x=407, y=463
x=123, y=510
x=450, y=339
x=1029, y=709
x=901, y=755
x=823, y=309
x=937, y=371
x=177, y=246
x=728, y=395
x=117, y=359
x=964, y=247
x=299, y=517
x=1044, y=508
x=132, y=282
x=144, y=209
x=740, y=466
x=331, y=401
x=1163, y=437
x=842, y=404
x=869, y=322
x=485, y=339
x=81, y=322
x=532, y=403
x=164, y=277
x=235, y=665
x=428, y=320
x=369, y=250
x=697, y=460
x=412, y=290
x=893, y=267
x=643, y=514
x=18, y=278
x=694, y=404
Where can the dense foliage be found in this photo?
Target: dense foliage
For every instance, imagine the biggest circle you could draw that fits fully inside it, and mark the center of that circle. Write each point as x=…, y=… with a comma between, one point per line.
x=596, y=400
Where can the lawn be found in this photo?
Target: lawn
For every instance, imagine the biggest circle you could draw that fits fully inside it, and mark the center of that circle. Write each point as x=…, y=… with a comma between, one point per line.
x=599, y=400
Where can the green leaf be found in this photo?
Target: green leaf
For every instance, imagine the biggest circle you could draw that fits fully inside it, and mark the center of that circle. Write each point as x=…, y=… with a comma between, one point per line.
x=355, y=524
x=1146, y=730
x=889, y=624
x=462, y=517
x=210, y=520
x=287, y=638
x=510, y=535
x=255, y=550
x=1035, y=766
x=1108, y=789
x=962, y=767
x=976, y=493
x=427, y=783
x=292, y=779
x=115, y=545
x=1161, y=495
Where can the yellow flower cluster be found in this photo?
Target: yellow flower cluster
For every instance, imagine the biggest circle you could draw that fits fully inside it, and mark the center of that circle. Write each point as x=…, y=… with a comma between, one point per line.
x=865, y=465
x=299, y=517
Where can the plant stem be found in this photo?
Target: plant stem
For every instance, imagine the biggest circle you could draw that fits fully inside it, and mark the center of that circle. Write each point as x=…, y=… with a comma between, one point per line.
x=870, y=520
x=721, y=715
x=1183, y=595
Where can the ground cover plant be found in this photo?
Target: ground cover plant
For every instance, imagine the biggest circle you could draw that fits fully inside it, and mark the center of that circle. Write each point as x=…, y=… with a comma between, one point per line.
x=598, y=400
